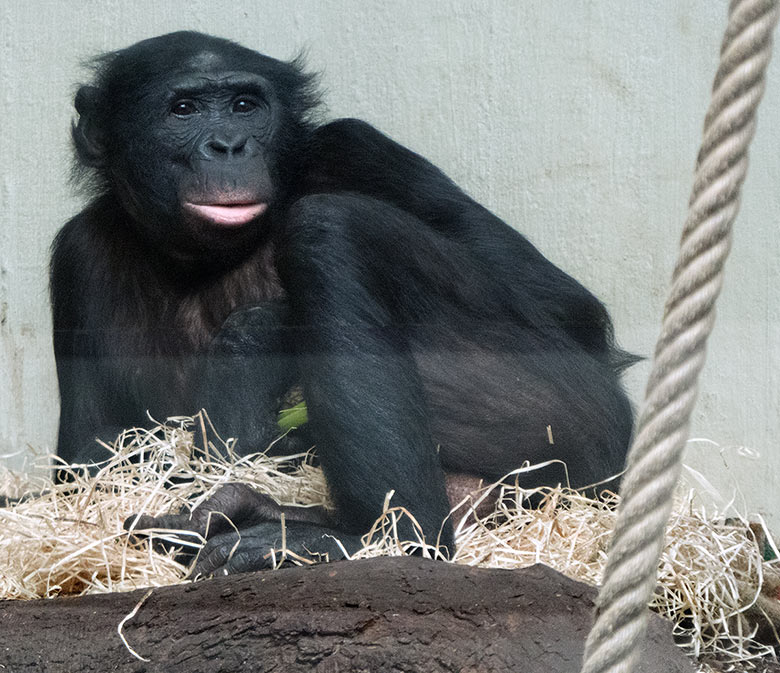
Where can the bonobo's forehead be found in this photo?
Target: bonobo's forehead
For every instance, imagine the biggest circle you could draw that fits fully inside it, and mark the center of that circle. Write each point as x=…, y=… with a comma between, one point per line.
x=183, y=52
x=208, y=61
x=205, y=61
x=215, y=68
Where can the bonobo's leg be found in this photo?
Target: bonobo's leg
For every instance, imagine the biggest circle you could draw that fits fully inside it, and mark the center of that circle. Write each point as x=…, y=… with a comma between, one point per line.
x=246, y=372
x=507, y=395
x=350, y=155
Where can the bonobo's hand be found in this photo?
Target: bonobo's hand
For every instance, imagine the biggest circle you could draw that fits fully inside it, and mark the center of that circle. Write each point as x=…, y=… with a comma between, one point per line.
x=236, y=503
x=243, y=530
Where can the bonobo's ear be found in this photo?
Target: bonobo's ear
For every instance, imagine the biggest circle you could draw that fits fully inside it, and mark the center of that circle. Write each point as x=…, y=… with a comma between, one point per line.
x=87, y=136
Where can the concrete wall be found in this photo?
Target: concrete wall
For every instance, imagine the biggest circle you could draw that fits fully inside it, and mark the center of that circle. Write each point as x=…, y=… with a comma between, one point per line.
x=577, y=121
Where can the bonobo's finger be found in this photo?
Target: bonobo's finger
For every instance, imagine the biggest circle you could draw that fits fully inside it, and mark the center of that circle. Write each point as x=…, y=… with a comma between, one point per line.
x=141, y=522
x=232, y=506
x=185, y=541
x=225, y=553
x=245, y=551
x=187, y=532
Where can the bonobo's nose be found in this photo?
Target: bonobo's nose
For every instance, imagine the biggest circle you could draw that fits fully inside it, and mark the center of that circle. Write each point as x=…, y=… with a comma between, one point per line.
x=224, y=146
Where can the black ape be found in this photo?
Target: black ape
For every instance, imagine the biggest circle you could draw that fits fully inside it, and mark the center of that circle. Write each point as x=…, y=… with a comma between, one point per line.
x=235, y=248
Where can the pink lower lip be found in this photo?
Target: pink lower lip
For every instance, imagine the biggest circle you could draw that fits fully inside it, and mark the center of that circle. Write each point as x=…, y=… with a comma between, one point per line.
x=227, y=215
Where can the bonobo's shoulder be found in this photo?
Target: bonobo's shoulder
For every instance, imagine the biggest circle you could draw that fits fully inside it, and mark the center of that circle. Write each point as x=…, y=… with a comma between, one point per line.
x=84, y=233
x=72, y=235
x=97, y=215
x=347, y=125
x=348, y=129
x=347, y=138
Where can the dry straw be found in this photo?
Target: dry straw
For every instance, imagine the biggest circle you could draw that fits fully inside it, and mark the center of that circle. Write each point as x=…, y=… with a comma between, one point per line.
x=69, y=539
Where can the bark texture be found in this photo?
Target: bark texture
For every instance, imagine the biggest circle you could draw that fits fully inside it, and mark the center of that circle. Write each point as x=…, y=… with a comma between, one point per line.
x=390, y=614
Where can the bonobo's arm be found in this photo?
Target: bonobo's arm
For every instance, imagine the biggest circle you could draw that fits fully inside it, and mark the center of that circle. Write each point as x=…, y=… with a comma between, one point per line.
x=351, y=155
x=79, y=300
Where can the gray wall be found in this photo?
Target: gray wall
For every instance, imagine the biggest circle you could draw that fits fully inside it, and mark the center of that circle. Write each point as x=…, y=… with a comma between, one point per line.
x=577, y=121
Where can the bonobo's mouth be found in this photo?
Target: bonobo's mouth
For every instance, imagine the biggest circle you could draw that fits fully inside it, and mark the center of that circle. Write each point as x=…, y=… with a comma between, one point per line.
x=226, y=214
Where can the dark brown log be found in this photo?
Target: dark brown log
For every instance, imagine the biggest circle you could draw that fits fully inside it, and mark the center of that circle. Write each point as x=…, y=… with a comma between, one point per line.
x=401, y=614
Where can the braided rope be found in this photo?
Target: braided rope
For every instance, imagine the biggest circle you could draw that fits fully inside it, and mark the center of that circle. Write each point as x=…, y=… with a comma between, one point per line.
x=655, y=457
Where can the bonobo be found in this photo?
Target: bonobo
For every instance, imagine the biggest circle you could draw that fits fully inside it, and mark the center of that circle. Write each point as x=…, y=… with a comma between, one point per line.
x=235, y=247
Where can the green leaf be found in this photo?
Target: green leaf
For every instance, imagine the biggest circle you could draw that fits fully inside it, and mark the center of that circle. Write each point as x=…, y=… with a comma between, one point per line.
x=292, y=418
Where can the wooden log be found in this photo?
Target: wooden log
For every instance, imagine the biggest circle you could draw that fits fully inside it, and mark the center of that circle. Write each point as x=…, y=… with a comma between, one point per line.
x=388, y=614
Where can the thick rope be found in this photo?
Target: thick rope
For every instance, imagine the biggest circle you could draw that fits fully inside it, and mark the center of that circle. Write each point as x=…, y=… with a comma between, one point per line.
x=656, y=454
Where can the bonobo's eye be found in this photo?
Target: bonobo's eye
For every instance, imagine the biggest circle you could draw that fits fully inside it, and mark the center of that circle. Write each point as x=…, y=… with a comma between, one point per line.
x=183, y=108
x=244, y=104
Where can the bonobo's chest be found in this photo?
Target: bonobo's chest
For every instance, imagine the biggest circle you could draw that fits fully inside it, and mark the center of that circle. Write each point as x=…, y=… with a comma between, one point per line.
x=189, y=316
x=163, y=351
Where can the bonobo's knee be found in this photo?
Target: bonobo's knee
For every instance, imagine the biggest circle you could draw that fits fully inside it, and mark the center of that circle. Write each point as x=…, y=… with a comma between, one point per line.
x=336, y=240
x=323, y=209
x=322, y=221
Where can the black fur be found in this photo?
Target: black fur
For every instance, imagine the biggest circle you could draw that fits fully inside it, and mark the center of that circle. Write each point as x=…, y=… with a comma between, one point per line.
x=428, y=336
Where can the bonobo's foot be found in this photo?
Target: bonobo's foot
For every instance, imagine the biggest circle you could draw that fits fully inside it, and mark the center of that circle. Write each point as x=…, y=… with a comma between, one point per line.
x=243, y=530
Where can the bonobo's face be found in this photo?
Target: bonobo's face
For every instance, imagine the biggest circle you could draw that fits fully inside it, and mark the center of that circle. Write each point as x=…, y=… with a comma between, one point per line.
x=199, y=145
x=189, y=132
